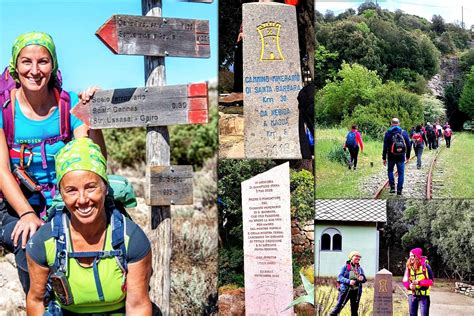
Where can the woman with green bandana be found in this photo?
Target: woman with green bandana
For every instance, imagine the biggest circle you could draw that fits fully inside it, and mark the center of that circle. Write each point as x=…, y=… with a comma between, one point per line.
x=34, y=126
x=88, y=275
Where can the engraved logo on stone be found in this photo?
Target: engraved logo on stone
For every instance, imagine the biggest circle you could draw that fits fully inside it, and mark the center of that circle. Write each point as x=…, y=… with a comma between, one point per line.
x=270, y=38
x=383, y=286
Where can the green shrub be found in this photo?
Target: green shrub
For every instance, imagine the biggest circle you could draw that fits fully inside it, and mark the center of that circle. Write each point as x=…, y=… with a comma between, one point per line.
x=302, y=195
x=337, y=154
x=190, y=144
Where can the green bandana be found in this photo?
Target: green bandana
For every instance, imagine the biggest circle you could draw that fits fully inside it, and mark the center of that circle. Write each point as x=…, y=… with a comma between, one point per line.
x=80, y=154
x=32, y=38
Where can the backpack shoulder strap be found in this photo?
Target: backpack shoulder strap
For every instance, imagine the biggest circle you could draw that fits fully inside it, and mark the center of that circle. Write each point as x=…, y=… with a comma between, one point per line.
x=64, y=105
x=118, y=238
x=59, y=233
x=8, y=113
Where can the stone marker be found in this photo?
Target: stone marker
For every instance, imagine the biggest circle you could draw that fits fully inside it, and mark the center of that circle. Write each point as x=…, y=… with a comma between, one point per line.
x=383, y=297
x=272, y=80
x=267, y=242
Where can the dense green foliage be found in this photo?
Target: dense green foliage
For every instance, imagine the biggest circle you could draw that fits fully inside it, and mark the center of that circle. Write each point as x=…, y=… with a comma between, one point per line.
x=433, y=109
x=466, y=102
x=231, y=173
x=398, y=46
x=190, y=144
x=444, y=230
x=357, y=96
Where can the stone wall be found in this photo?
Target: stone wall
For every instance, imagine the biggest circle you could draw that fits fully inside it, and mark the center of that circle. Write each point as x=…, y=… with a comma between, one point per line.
x=464, y=288
x=302, y=236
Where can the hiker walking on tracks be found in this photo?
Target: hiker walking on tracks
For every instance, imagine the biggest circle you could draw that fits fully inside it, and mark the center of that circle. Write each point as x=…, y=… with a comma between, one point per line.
x=34, y=125
x=353, y=144
x=396, y=151
x=448, y=133
x=418, y=139
x=418, y=279
x=431, y=136
x=350, y=281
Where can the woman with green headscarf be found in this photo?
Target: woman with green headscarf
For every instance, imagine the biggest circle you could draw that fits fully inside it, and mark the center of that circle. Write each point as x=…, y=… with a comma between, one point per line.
x=99, y=260
x=35, y=124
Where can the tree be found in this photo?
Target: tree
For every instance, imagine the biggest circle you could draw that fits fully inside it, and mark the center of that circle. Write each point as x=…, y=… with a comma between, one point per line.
x=437, y=24
x=326, y=65
x=466, y=102
x=433, y=109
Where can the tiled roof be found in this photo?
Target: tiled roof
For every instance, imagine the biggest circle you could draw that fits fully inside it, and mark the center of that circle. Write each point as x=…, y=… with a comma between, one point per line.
x=351, y=210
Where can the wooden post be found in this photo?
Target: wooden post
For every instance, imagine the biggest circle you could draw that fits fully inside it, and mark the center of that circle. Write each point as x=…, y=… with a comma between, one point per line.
x=158, y=154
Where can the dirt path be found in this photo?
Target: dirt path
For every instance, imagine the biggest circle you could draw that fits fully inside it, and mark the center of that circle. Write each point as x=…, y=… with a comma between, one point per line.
x=445, y=303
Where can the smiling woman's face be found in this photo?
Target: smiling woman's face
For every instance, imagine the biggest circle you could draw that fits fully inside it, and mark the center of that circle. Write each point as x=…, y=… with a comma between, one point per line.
x=84, y=195
x=34, y=67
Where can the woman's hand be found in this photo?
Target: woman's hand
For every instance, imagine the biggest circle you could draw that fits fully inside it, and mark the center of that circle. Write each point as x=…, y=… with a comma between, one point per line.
x=240, y=36
x=25, y=227
x=87, y=94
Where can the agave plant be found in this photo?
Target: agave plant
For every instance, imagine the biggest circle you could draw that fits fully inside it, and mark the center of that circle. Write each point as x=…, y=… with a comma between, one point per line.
x=309, y=297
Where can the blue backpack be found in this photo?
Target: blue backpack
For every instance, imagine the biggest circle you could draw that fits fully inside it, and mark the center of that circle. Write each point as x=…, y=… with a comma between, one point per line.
x=351, y=140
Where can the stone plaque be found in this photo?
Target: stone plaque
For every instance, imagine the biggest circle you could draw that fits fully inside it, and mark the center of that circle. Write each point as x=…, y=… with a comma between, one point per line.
x=383, y=297
x=267, y=242
x=272, y=80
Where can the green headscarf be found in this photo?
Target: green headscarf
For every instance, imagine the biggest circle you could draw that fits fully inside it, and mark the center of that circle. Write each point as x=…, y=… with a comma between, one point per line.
x=80, y=154
x=33, y=38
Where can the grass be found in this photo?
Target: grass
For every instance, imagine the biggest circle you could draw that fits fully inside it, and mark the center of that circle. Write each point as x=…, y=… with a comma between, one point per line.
x=456, y=161
x=333, y=179
x=326, y=296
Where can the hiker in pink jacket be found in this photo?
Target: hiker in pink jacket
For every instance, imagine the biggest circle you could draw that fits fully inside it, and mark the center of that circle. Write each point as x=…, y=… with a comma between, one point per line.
x=418, y=279
x=353, y=143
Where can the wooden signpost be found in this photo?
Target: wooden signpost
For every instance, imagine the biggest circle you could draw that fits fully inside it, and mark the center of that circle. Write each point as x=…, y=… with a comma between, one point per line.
x=154, y=36
x=169, y=185
x=155, y=106
x=143, y=107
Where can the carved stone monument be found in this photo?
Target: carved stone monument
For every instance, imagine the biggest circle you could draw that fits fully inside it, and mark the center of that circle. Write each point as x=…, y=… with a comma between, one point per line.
x=272, y=80
x=383, y=295
x=267, y=242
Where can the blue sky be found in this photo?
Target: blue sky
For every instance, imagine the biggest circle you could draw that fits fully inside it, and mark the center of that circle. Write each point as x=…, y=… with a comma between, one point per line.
x=83, y=59
x=450, y=10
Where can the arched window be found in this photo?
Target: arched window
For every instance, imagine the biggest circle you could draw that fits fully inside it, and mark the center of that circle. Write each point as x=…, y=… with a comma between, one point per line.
x=331, y=240
x=325, y=242
x=336, y=242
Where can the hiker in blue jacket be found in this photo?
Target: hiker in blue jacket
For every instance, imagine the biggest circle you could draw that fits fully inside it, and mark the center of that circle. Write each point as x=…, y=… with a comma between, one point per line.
x=396, y=151
x=350, y=279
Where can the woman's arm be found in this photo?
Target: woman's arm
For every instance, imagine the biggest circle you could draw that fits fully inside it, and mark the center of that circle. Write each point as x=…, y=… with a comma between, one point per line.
x=28, y=224
x=138, y=279
x=38, y=280
x=84, y=131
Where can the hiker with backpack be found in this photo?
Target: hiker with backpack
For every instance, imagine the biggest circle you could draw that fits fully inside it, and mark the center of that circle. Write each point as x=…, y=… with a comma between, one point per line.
x=439, y=134
x=350, y=280
x=35, y=123
x=418, y=279
x=396, y=151
x=431, y=136
x=448, y=133
x=94, y=259
x=418, y=139
x=353, y=143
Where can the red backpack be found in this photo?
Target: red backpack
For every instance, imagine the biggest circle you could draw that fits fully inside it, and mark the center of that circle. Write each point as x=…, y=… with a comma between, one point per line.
x=448, y=132
x=417, y=138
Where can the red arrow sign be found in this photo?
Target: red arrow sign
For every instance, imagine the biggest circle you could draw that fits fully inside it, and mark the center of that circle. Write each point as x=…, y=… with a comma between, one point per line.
x=153, y=36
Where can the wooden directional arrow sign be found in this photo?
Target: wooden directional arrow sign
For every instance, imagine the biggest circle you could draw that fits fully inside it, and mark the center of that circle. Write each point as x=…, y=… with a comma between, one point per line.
x=169, y=185
x=153, y=36
x=141, y=107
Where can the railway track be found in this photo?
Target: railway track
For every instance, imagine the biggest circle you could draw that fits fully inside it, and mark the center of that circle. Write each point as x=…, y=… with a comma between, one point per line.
x=418, y=182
